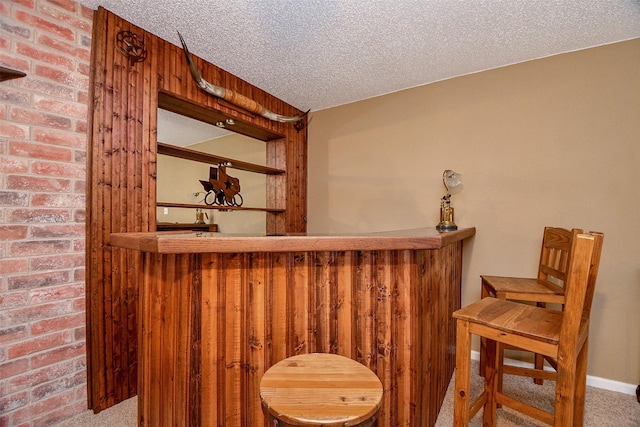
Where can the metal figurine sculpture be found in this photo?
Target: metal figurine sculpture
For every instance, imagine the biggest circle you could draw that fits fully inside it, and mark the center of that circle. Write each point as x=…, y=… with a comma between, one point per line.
x=234, y=97
x=222, y=189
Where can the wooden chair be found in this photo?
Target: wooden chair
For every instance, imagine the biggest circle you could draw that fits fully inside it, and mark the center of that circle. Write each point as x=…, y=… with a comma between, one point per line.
x=562, y=335
x=547, y=287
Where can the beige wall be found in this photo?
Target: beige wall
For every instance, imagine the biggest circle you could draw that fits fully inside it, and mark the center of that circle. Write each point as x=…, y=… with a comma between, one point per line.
x=554, y=141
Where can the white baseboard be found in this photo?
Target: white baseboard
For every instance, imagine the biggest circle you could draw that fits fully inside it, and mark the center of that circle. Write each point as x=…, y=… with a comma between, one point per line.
x=592, y=381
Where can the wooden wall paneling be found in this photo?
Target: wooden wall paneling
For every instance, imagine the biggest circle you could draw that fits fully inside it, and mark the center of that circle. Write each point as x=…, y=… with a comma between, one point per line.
x=122, y=190
x=94, y=203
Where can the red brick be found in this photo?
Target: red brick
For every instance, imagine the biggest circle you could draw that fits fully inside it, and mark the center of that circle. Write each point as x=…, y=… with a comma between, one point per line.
x=66, y=48
x=81, y=126
x=69, y=79
x=39, y=376
x=61, y=414
x=13, y=165
x=86, y=12
x=13, y=265
x=57, y=262
x=40, y=280
x=80, y=156
x=13, y=130
x=51, y=404
x=64, y=108
x=57, y=231
x=80, y=304
x=79, y=245
x=80, y=186
x=70, y=321
x=12, y=300
x=13, y=401
x=40, y=151
x=57, y=385
x=46, y=87
x=12, y=96
x=58, y=293
x=59, y=354
x=64, y=170
x=43, y=24
x=14, y=367
x=38, y=344
x=79, y=275
x=33, y=183
x=69, y=5
x=13, y=232
x=83, y=97
x=84, y=69
x=38, y=247
x=57, y=200
x=35, y=215
x=33, y=117
x=14, y=333
x=55, y=137
x=45, y=56
x=66, y=18
x=31, y=313
x=13, y=62
x=80, y=334
x=30, y=4
x=13, y=198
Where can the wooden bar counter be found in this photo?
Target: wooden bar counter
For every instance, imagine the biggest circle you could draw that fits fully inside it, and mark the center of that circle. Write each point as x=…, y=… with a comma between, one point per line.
x=217, y=310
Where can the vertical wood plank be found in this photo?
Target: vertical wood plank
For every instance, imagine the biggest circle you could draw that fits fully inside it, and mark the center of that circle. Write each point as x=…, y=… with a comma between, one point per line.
x=257, y=319
x=298, y=285
x=213, y=334
x=344, y=305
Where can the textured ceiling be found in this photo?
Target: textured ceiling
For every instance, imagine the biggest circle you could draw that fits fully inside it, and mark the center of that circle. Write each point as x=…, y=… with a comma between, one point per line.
x=316, y=54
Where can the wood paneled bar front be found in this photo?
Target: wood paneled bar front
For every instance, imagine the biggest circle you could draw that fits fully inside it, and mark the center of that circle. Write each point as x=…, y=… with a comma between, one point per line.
x=217, y=310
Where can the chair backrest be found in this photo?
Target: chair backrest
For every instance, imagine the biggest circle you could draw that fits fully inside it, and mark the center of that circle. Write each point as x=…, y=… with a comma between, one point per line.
x=557, y=244
x=580, y=286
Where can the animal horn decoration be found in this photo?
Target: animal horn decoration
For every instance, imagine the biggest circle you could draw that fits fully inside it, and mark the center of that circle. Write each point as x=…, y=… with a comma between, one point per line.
x=233, y=97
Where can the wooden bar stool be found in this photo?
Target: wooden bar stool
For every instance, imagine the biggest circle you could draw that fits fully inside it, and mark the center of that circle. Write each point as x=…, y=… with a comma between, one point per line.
x=320, y=389
x=562, y=335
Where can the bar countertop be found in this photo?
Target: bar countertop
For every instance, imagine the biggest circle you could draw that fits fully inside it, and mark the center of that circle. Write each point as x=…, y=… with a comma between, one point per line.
x=176, y=242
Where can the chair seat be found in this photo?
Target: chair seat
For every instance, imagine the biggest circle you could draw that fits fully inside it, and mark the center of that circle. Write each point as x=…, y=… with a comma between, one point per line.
x=524, y=289
x=523, y=320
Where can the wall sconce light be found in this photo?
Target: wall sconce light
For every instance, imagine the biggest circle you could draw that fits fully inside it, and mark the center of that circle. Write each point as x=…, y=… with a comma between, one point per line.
x=453, y=184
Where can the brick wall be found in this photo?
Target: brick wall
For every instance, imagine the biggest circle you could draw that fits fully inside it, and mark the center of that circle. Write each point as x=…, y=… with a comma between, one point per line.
x=43, y=121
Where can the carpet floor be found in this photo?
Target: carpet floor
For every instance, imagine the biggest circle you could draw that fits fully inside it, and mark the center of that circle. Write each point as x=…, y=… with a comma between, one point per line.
x=603, y=408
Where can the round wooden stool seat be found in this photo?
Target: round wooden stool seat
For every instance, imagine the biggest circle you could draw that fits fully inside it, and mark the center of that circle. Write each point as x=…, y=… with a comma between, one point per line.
x=320, y=389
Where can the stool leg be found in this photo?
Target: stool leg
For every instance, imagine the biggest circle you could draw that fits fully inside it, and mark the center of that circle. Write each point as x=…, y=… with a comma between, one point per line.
x=565, y=391
x=462, y=382
x=492, y=377
x=581, y=386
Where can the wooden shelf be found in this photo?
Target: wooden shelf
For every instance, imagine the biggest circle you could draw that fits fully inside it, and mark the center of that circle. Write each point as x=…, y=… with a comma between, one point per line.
x=197, y=156
x=165, y=226
x=177, y=104
x=217, y=207
x=9, y=73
